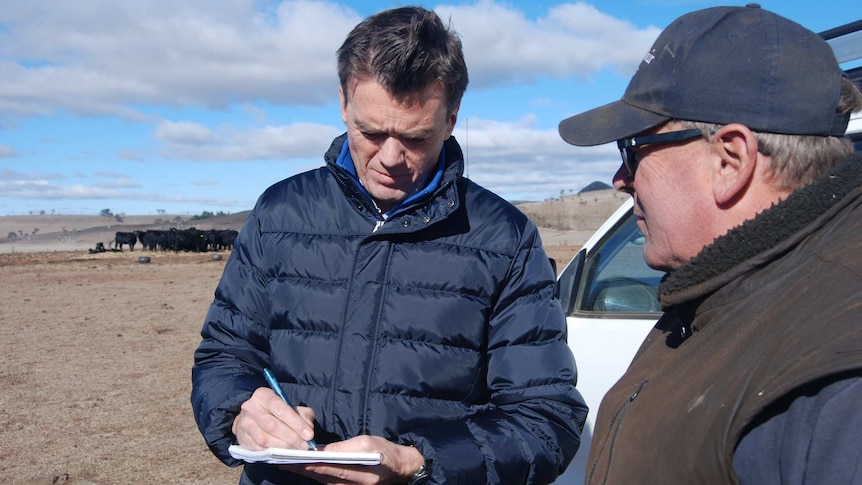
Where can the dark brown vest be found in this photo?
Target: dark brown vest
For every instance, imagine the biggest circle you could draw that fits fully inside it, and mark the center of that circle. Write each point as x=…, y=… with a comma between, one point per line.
x=730, y=345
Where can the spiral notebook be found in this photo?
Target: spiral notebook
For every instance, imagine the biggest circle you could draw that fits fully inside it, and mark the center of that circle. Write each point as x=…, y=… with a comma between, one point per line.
x=283, y=456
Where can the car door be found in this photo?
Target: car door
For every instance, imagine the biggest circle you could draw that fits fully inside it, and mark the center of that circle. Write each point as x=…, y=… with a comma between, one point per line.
x=609, y=295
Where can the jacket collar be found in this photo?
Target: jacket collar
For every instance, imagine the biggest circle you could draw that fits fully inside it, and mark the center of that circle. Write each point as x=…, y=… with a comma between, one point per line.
x=766, y=236
x=449, y=172
x=345, y=161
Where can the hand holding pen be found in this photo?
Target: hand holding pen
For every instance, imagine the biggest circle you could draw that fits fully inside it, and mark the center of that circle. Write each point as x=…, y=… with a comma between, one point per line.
x=276, y=387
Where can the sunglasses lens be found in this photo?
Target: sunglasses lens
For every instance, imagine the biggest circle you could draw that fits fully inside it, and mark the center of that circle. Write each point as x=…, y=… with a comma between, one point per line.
x=629, y=146
x=629, y=160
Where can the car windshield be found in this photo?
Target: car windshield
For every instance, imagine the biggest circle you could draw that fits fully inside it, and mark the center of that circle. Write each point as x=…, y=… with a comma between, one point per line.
x=846, y=43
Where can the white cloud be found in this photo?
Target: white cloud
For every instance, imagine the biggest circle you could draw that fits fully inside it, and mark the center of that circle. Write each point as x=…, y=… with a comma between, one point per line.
x=7, y=152
x=27, y=187
x=104, y=57
x=184, y=133
x=192, y=141
x=521, y=162
x=503, y=47
x=109, y=174
x=43, y=189
x=7, y=175
x=118, y=184
x=174, y=67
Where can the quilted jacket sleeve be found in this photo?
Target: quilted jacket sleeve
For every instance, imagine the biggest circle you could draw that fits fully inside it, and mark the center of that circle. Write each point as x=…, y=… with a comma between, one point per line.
x=532, y=428
x=234, y=349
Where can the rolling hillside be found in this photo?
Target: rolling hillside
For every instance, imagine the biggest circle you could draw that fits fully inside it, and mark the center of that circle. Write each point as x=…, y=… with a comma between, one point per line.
x=565, y=222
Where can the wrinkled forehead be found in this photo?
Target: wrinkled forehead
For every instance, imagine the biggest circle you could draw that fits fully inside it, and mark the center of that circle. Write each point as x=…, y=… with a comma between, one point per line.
x=431, y=91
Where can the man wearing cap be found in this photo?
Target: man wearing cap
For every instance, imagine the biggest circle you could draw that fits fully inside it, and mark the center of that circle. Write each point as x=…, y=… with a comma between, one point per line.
x=750, y=198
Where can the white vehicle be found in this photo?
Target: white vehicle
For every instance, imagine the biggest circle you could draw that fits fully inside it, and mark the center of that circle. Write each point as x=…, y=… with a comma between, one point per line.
x=609, y=293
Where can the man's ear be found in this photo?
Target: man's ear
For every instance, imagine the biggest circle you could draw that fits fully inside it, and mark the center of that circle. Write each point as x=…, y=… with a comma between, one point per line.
x=736, y=147
x=453, y=118
x=342, y=97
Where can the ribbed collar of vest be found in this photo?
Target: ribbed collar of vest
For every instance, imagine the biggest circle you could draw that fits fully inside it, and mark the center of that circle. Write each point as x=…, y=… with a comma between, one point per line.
x=761, y=239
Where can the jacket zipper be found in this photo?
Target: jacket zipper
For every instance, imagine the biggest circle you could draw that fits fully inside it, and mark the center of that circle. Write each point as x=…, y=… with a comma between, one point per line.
x=363, y=427
x=616, y=424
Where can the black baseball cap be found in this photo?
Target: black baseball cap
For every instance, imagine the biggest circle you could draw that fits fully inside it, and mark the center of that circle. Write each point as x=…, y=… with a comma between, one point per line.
x=725, y=65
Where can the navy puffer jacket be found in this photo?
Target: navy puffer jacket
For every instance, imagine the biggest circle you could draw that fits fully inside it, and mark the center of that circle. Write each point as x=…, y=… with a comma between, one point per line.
x=438, y=330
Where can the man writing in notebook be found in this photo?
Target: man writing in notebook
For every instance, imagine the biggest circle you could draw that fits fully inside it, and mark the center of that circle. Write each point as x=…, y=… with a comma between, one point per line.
x=404, y=309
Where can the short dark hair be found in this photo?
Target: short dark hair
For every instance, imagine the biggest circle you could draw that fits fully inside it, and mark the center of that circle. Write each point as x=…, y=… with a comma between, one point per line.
x=405, y=50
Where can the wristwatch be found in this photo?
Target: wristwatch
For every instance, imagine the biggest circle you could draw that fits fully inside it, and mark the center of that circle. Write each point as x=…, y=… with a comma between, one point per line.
x=419, y=477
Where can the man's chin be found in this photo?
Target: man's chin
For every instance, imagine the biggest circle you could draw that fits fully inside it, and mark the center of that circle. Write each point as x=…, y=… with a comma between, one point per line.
x=385, y=195
x=387, y=201
x=655, y=261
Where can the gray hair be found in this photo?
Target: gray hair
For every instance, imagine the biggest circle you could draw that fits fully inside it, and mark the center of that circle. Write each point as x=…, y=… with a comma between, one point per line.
x=798, y=160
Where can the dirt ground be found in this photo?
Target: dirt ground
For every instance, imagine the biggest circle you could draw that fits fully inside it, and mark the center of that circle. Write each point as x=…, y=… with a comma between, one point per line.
x=96, y=353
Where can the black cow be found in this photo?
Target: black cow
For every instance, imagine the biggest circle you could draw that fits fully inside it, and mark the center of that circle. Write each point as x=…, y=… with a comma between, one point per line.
x=211, y=237
x=121, y=238
x=190, y=239
x=221, y=240
x=149, y=239
x=227, y=238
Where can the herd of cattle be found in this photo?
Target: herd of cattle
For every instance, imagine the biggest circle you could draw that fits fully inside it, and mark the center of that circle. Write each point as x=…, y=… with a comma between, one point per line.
x=177, y=240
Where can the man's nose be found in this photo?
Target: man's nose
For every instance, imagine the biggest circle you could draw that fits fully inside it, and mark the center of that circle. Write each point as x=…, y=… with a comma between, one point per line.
x=391, y=152
x=623, y=180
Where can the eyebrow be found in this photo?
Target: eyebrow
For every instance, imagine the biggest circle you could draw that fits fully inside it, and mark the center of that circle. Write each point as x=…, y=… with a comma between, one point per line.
x=419, y=133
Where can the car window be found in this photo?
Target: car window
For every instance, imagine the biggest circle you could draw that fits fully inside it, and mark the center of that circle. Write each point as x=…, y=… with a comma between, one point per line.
x=846, y=43
x=612, y=278
x=568, y=281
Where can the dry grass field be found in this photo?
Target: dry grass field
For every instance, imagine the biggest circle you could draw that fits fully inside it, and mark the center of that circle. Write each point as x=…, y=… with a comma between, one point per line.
x=96, y=349
x=96, y=352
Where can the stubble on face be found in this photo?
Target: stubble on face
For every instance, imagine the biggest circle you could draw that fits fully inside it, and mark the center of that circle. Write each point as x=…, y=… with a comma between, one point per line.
x=672, y=201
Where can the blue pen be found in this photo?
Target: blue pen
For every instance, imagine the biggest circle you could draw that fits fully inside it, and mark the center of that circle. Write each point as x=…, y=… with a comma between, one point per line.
x=273, y=383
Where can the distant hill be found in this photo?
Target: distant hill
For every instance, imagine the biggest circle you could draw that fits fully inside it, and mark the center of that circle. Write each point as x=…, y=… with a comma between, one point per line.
x=229, y=221
x=77, y=232
x=570, y=220
x=567, y=221
x=595, y=186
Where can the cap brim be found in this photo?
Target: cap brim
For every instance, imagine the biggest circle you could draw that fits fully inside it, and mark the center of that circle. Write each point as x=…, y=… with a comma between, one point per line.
x=608, y=123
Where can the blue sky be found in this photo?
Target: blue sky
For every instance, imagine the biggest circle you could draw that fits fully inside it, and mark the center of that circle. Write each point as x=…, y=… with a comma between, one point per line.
x=191, y=106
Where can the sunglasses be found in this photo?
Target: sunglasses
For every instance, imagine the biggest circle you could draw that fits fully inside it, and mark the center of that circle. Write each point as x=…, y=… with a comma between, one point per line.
x=629, y=146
